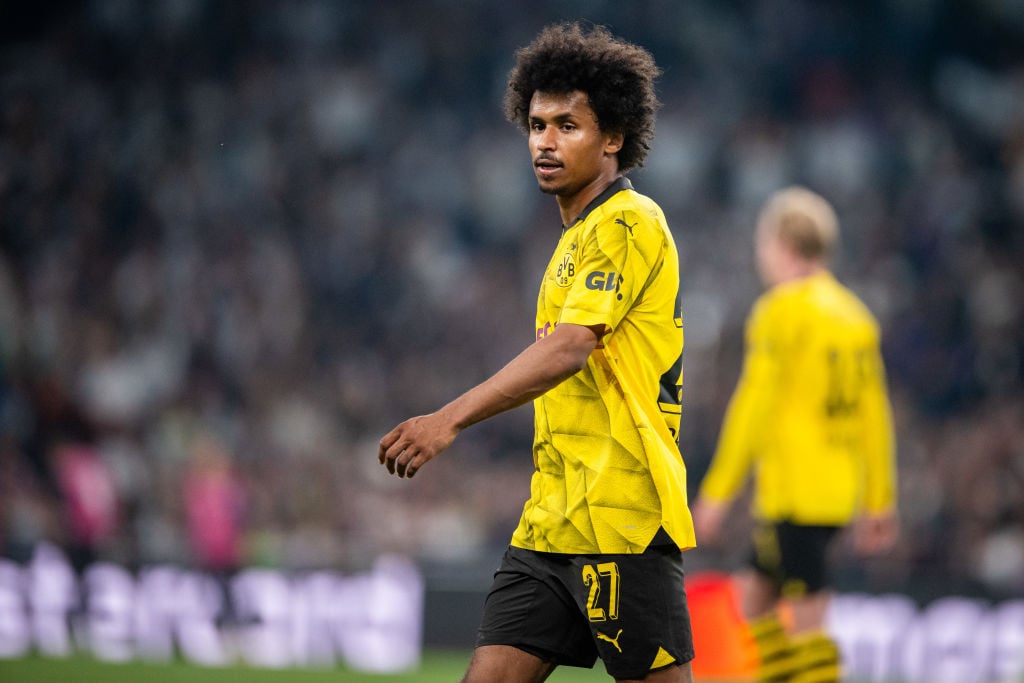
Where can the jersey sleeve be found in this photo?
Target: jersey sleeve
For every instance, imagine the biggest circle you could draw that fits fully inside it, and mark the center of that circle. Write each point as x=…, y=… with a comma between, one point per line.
x=748, y=409
x=615, y=263
x=879, y=440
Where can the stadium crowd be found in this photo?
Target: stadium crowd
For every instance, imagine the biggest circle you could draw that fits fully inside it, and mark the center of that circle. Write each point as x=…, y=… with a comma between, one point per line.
x=234, y=239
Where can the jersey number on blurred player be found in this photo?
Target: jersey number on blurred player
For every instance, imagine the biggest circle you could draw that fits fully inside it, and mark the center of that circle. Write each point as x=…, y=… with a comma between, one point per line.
x=846, y=374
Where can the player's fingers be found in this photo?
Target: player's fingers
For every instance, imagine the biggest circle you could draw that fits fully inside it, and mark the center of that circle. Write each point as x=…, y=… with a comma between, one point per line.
x=403, y=463
x=385, y=443
x=392, y=454
x=414, y=464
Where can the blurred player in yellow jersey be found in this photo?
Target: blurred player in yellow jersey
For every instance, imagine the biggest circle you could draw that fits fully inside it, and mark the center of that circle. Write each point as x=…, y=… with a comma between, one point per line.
x=810, y=418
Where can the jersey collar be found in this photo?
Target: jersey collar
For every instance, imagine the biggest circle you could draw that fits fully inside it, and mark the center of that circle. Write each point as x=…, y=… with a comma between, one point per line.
x=618, y=185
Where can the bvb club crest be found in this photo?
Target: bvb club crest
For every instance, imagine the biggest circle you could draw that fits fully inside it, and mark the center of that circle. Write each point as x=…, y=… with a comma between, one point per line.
x=566, y=271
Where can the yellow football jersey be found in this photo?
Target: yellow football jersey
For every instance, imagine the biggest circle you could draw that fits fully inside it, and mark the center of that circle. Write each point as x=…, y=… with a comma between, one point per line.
x=811, y=411
x=608, y=468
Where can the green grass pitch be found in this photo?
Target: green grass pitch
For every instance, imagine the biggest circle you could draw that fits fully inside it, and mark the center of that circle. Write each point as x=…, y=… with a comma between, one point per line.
x=437, y=667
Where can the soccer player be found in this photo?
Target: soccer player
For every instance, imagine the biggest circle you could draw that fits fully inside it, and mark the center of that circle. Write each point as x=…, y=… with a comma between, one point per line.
x=595, y=567
x=811, y=417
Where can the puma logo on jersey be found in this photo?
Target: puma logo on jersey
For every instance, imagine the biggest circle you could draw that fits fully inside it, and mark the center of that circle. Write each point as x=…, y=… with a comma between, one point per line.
x=626, y=225
x=614, y=641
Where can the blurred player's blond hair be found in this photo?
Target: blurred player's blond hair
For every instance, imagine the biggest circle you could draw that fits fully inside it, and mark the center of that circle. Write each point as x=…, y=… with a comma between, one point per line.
x=803, y=220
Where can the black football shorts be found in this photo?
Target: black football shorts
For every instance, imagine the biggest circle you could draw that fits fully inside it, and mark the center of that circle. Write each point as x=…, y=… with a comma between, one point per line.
x=629, y=610
x=793, y=556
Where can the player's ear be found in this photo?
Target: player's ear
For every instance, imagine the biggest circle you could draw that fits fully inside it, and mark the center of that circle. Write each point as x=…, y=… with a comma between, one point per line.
x=613, y=142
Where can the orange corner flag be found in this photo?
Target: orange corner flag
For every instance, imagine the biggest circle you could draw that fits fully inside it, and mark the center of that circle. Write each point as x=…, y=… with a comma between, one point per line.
x=725, y=650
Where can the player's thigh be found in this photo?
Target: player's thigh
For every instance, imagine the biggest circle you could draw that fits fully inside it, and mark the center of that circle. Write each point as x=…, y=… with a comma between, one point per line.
x=502, y=663
x=758, y=593
x=809, y=612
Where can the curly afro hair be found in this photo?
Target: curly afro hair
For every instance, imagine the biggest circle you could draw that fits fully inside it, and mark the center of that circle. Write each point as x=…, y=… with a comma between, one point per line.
x=617, y=77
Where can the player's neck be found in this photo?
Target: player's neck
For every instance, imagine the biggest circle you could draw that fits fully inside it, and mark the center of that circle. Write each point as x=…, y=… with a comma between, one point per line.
x=571, y=206
x=799, y=270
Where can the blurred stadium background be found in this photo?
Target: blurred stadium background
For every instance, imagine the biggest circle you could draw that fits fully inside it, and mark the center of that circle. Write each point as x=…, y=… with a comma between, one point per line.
x=241, y=240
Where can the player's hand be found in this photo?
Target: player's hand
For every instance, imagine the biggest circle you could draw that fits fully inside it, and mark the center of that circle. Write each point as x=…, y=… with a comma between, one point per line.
x=410, y=445
x=873, y=534
x=708, y=517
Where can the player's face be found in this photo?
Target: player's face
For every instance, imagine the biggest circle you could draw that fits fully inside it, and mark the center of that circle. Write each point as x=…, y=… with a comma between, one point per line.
x=569, y=150
x=770, y=253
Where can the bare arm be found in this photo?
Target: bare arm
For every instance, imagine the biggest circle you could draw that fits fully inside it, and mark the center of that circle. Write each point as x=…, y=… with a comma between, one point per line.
x=541, y=366
x=708, y=518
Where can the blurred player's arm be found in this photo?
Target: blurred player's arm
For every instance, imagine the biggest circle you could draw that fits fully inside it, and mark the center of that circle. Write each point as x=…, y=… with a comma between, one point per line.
x=742, y=429
x=541, y=366
x=878, y=527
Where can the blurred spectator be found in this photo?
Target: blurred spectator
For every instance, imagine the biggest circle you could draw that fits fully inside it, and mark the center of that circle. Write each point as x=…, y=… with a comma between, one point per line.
x=89, y=501
x=214, y=507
